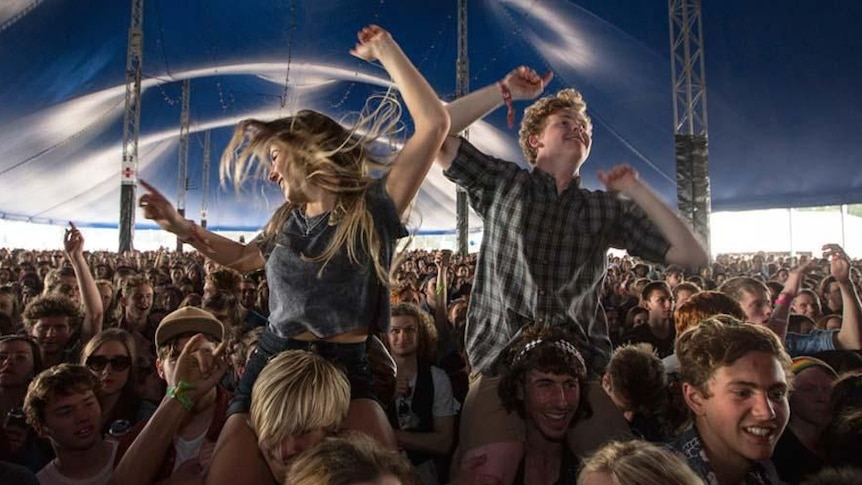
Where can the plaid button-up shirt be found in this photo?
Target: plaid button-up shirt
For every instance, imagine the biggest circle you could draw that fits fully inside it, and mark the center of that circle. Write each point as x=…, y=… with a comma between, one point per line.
x=543, y=256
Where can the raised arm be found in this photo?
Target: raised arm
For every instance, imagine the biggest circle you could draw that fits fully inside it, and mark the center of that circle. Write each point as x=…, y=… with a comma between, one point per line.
x=199, y=370
x=73, y=245
x=780, y=318
x=685, y=249
x=430, y=120
x=521, y=83
x=850, y=335
x=234, y=255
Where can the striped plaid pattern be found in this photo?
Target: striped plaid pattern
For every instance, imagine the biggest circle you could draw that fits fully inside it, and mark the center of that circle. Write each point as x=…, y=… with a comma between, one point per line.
x=543, y=255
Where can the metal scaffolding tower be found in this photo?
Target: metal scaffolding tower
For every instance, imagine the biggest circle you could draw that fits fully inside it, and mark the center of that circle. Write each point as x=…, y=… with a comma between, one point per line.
x=689, y=114
x=206, y=179
x=131, y=124
x=462, y=87
x=183, y=161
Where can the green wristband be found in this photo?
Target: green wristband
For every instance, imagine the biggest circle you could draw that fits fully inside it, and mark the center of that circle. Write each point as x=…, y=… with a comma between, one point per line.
x=179, y=391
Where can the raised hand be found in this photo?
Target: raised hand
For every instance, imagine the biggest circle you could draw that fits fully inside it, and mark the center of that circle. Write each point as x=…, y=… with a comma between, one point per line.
x=839, y=263
x=73, y=242
x=525, y=83
x=200, y=366
x=157, y=208
x=621, y=178
x=372, y=39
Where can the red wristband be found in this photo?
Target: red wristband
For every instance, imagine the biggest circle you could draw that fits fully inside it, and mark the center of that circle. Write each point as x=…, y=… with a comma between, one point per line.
x=507, y=98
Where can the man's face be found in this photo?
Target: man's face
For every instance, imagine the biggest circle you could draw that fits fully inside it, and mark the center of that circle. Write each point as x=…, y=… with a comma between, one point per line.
x=430, y=289
x=52, y=333
x=550, y=402
x=673, y=278
x=167, y=368
x=16, y=364
x=660, y=306
x=566, y=135
x=757, y=306
x=72, y=422
x=248, y=293
x=6, y=304
x=809, y=400
x=804, y=304
x=139, y=303
x=747, y=410
x=106, y=294
x=403, y=338
x=176, y=275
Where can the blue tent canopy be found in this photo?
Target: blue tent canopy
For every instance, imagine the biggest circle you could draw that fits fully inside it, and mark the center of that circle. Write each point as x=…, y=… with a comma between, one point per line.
x=783, y=91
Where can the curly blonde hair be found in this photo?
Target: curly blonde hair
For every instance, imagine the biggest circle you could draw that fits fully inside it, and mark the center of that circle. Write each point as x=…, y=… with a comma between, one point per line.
x=536, y=117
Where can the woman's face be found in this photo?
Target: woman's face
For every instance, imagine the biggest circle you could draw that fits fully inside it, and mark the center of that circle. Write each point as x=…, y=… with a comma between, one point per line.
x=111, y=364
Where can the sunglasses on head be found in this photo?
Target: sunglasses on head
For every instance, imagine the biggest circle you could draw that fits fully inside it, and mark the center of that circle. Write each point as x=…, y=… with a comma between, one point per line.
x=99, y=362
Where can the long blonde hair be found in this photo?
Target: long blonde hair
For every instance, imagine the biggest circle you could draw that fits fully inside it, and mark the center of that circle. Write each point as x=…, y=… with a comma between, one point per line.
x=322, y=154
x=639, y=463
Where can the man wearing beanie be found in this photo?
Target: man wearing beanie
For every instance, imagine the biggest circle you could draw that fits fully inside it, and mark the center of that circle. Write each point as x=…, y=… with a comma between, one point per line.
x=800, y=452
x=182, y=434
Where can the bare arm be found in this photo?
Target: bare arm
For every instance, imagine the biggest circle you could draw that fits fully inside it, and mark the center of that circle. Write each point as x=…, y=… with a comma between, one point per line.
x=438, y=441
x=685, y=249
x=429, y=118
x=237, y=457
x=73, y=244
x=780, y=318
x=850, y=335
x=522, y=82
x=196, y=366
x=234, y=255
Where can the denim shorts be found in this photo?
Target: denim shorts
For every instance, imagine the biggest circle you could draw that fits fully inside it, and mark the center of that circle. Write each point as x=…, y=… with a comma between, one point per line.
x=349, y=358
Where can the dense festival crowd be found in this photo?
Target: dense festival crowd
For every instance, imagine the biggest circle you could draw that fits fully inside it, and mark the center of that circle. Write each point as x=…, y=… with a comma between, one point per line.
x=318, y=354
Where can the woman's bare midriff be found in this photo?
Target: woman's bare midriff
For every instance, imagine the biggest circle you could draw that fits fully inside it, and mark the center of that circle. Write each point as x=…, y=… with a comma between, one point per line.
x=353, y=337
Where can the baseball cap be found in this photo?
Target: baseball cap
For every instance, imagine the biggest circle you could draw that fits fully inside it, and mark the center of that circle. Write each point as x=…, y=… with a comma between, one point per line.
x=188, y=320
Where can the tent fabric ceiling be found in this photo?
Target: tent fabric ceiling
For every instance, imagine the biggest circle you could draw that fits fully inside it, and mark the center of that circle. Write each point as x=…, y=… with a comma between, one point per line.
x=784, y=103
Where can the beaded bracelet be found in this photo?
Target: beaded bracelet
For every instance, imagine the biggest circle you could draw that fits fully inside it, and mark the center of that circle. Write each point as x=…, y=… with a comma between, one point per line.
x=179, y=392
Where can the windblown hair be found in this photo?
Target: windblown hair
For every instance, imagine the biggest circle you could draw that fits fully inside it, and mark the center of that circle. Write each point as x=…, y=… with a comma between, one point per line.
x=719, y=342
x=536, y=117
x=59, y=380
x=426, y=332
x=296, y=393
x=639, y=462
x=320, y=154
x=537, y=349
x=352, y=459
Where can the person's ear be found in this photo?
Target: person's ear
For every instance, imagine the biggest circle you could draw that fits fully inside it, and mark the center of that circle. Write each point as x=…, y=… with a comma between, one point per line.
x=694, y=398
x=534, y=142
x=160, y=369
x=606, y=383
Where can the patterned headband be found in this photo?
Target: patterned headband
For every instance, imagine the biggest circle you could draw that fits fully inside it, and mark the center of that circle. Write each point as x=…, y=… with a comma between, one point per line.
x=563, y=345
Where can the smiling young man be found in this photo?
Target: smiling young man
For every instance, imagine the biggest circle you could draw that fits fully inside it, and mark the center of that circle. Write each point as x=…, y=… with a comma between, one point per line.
x=734, y=382
x=545, y=383
x=544, y=252
x=62, y=406
x=424, y=402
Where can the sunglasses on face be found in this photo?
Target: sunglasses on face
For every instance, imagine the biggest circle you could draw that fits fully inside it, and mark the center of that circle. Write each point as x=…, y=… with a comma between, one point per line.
x=98, y=363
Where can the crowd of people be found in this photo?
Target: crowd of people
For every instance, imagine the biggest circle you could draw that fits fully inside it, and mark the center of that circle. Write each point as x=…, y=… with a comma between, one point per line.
x=319, y=354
